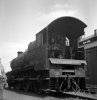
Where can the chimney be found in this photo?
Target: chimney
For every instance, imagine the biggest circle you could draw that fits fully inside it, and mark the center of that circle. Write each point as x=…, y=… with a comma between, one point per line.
x=95, y=32
x=19, y=53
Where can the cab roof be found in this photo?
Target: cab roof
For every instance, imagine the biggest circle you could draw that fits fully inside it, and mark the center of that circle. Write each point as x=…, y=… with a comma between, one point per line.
x=66, y=25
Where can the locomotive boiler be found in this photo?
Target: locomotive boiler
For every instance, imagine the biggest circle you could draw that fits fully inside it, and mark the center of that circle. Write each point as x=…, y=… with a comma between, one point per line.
x=53, y=62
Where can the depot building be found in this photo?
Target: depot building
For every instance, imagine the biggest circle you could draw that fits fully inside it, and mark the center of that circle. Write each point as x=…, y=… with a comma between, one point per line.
x=90, y=46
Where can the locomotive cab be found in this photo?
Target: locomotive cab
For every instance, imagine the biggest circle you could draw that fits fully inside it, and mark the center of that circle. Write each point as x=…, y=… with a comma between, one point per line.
x=65, y=60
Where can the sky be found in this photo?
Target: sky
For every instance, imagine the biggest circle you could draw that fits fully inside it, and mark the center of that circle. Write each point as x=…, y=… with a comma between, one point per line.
x=21, y=20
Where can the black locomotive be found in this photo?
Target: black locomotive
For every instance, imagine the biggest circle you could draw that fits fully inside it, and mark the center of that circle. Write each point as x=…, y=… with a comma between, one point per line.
x=53, y=62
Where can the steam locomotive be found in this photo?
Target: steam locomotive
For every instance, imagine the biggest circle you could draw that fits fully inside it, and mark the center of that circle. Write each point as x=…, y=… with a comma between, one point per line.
x=54, y=61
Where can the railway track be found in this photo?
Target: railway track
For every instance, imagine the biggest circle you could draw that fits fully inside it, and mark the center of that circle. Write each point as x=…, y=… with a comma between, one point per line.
x=81, y=95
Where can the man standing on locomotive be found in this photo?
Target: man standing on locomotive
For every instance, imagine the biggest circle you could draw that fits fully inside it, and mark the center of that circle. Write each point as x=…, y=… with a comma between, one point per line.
x=2, y=80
